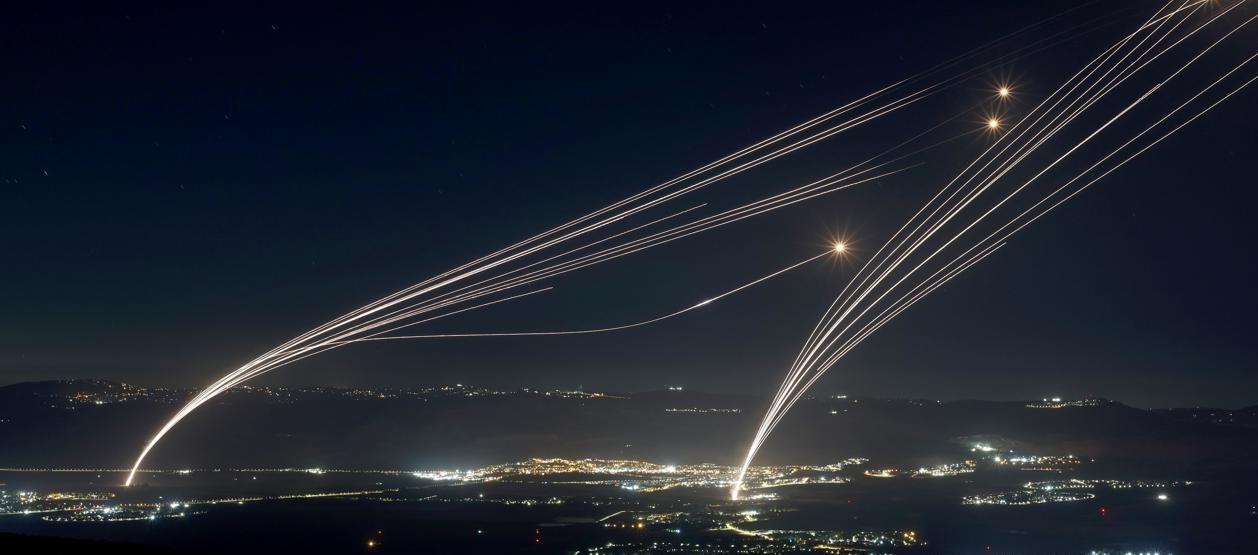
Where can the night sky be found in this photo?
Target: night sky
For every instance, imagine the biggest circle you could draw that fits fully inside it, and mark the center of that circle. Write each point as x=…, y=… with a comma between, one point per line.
x=185, y=189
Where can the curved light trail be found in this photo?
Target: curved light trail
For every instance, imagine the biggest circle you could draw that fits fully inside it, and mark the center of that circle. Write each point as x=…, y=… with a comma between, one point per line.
x=700, y=304
x=891, y=282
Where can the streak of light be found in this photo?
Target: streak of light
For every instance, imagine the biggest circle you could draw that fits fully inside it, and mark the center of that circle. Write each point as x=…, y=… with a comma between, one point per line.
x=833, y=337
x=674, y=314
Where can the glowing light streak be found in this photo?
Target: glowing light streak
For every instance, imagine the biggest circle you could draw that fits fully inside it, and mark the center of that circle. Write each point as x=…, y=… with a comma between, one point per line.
x=827, y=335
x=674, y=314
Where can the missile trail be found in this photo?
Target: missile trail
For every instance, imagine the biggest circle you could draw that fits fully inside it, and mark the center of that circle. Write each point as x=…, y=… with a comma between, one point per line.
x=707, y=223
x=865, y=304
x=674, y=314
x=791, y=383
x=798, y=374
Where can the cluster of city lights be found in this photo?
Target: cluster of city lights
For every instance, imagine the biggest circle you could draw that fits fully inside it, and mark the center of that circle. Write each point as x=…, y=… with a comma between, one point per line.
x=1074, y=489
x=646, y=477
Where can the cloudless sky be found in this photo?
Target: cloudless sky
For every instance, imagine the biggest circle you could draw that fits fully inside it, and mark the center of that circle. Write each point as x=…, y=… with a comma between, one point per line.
x=186, y=187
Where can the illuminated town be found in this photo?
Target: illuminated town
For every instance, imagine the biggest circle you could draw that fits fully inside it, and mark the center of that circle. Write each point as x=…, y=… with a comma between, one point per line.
x=1059, y=403
x=651, y=477
x=639, y=477
x=638, y=515
x=936, y=471
x=1063, y=491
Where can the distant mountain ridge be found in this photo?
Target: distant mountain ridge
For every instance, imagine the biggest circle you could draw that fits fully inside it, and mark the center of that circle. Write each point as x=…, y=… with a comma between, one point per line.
x=102, y=424
x=92, y=386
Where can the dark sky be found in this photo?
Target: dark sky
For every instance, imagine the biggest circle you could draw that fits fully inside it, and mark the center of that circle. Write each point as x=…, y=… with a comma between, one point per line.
x=185, y=189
